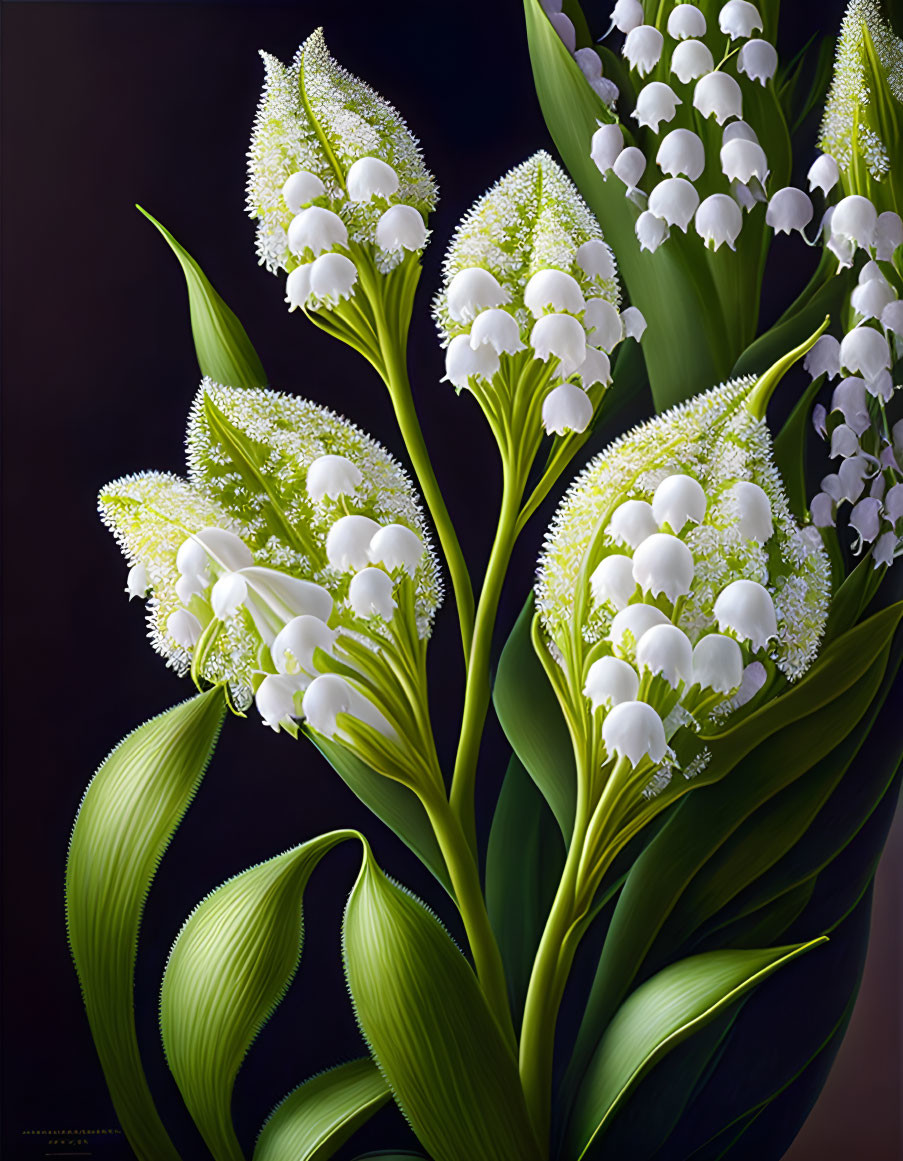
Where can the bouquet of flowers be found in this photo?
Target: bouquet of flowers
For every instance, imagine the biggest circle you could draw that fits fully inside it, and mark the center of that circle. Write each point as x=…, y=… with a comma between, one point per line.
x=696, y=801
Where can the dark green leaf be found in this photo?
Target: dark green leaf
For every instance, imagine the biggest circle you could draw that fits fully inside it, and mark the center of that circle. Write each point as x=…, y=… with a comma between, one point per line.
x=126, y=820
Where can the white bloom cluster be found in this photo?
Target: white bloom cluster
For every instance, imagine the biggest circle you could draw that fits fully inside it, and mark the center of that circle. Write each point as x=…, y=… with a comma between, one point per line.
x=332, y=171
x=672, y=565
x=529, y=277
x=293, y=529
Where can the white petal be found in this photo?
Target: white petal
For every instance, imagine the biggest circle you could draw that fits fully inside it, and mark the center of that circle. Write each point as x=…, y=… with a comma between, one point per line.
x=663, y=564
x=332, y=476
x=789, y=209
x=885, y=547
x=184, y=628
x=472, y=290
x=564, y=26
x=888, y=235
x=590, y=65
x=746, y=608
x=401, y=228
x=716, y=95
x=865, y=518
x=275, y=698
x=612, y=581
x=681, y=153
x=229, y=593
x=739, y=18
x=348, y=542
x=634, y=323
x=566, y=408
x=275, y=595
x=650, y=231
x=610, y=681
x=137, y=583
x=594, y=257
x=893, y=503
x=738, y=129
x=316, y=229
x=224, y=547
x=553, y=289
x=666, y=650
x=370, y=178
x=717, y=663
x=753, y=509
x=498, y=329
x=820, y=419
x=297, y=286
x=629, y=166
x=656, y=102
x=397, y=547
x=559, y=336
x=631, y=522
x=822, y=510
x=294, y=646
x=643, y=48
x=300, y=189
x=633, y=730
x=329, y=695
x=370, y=594
x=892, y=317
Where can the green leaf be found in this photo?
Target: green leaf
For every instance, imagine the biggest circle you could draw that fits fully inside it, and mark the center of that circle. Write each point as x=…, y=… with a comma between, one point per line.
x=223, y=348
x=127, y=817
x=790, y=450
x=390, y=1155
x=321, y=1114
x=659, y=1015
x=399, y=808
x=228, y=971
x=524, y=862
x=533, y=723
x=421, y=1010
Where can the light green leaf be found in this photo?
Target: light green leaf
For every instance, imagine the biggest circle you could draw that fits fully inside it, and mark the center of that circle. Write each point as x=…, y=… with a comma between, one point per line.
x=423, y=1015
x=228, y=971
x=223, y=348
x=658, y=1016
x=128, y=815
x=322, y=1113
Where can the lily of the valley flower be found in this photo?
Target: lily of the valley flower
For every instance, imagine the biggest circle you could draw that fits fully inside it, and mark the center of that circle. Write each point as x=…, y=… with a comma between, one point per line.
x=681, y=153
x=719, y=220
x=686, y=20
x=643, y=48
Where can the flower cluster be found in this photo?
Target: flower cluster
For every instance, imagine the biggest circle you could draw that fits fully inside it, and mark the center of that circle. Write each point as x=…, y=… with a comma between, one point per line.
x=530, y=294
x=674, y=575
x=293, y=535
x=334, y=178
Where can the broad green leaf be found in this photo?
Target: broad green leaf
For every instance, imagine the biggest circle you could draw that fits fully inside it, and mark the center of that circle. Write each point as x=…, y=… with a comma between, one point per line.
x=228, y=970
x=533, y=723
x=321, y=1114
x=523, y=865
x=399, y=808
x=853, y=597
x=659, y=1015
x=790, y=450
x=223, y=348
x=424, y=1018
x=127, y=817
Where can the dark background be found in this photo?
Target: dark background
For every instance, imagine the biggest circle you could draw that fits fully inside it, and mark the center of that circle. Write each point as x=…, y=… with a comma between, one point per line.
x=105, y=105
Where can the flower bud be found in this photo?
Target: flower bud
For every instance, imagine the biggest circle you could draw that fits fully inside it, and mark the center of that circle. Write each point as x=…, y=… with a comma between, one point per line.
x=294, y=646
x=739, y=19
x=685, y=20
x=656, y=102
x=629, y=166
x=643, y=48
x=634, y=323
x=758, y=59
x=753, y=509
x=370, y=594
x=690, y=60
x=665, y=650
x=228, y=594
x=562, y=337
x=275, y=699
x=595, y=368
x=629, y=625
x=823, y=174
x=824, y=358
x=627, y=15
x=137, y=582
x=603, y=324
x=613, y=581
x=300, y=190
x=316, y=229
x=674, y=200
x=610, y=681
x=332, y=277
x=719, y=219
x=607, y=144
x=865, y=351
x=297, y=287
x=564, y=26
x=401, y=228
x=743, y=160
x=566, y=408
x=662, y=564
x=633, y=730
x=789, y=209
x=348, y=542
x=631, y=522
x=184, y=628
x=471, y=291
x=370, y=178
x=650, y=231
x=717, y=663
x=397, y=547
x=716, y=95
x=745, y=608
x=855, y=219
x=555, y=290
x=678, y=499
x=498, y=329
x=463, y=361
x=681, y=152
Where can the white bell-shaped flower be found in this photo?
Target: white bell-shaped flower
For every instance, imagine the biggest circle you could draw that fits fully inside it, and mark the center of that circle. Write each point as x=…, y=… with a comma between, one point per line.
x=717, y=663
x=629, y=625
x=739, y=19
x=472, y=290
x=348, y=542
x=744, y=196
x=719, y=219
x=690, y=60
x=297, y=287
x=870, y=298
x=820, y=419
x=629, y=166
x=184, y=628
x=300, y=190
x=824, y=173
x=612, y=581
x=650, y=231
x=656, y=102
x=851, y=478
x=631, y=522
x=294, y=646
x=634, y=323
x=633, y=730
x=882, y=386
x=401, y=228
x=627, y=15
x=316, y=229
x=370, y=594
x=595, y=368
x=498, y=329
x=893, y=503
x=789, y=209
x=844, y=442
x=743, y=160
x=678, y=499
x=397, y=546
x=855, y=219
x=610, y=681
x=884, y=550
x=753, y=509
x=463, y=361
x=865, y=351
x=643, y=48
x=329, y=695
x=562, y=337
x=137, y=582
x=758, y=59
x=564, y=26
x=607, y=90
x=892, y=317
x=865, y=520
x=332, y=476
x=717, y=95
x=275, y=698
x=674, y=200
x=843, y=249
x=606, y=145
x=870, y=271
x=849, y=399
x=745, y=608
x=681, y=153
x=228, y=594
x=603, y=324
x=276, y=597
x=685, y=20
x=369, y=178
x=662, y=564
x=595, y=258
x=590, y=65
x=566, y=408
x=888, y=235
x=824, y=358
x=738, y=129
x=665, y=650
x=332, y=276
x=555, y=290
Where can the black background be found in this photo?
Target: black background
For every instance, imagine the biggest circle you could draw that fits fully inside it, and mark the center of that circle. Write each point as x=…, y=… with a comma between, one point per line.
x=105, y=105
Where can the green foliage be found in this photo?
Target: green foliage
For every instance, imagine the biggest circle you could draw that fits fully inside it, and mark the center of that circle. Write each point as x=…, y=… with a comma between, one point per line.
x=127, y=817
